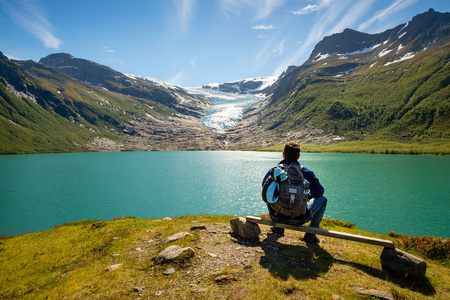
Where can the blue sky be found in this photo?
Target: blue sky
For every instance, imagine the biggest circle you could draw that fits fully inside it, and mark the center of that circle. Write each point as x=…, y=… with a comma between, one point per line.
x=192, y=42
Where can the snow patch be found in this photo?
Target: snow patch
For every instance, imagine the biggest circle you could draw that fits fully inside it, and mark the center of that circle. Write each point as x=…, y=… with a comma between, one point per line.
x=399, y=48
x=407, y=56
x=320, y=56
x=154, y=81
x=384, y=52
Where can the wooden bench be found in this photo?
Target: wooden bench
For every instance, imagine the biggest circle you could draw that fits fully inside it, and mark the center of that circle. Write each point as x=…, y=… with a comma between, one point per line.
x=335, y=234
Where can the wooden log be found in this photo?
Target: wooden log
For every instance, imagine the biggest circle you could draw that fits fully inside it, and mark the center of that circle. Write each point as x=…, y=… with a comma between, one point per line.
x=335, y=234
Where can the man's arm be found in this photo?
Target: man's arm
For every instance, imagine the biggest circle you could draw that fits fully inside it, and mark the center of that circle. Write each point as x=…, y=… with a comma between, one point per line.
x=315, y=188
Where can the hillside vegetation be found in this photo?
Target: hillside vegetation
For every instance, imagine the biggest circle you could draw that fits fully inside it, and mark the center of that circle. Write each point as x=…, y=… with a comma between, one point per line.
x=406, y=101
x=116, y=259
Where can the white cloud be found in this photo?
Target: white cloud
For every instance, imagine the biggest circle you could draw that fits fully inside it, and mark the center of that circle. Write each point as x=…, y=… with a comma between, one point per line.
x=382, y=14
x=307, y=9
x=326, y=23
x=261, y=8
x=29, y=15
x=264, y=27
x=184, y=12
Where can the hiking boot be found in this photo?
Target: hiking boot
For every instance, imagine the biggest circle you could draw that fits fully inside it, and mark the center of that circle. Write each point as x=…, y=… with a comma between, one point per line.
x=277, y=230
x=310, y=238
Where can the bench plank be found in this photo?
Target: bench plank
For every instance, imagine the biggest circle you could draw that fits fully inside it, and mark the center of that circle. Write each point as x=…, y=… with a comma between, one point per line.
x=335, y=234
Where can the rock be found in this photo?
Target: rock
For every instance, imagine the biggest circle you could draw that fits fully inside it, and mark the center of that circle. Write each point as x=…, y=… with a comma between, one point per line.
x=174, y=253
x=336, y=297
x=167, y=219
x=177, y=236
x=244, y=229
x=374, y=293
x=402, y=263
x=197, y=291
x=113, y=267
x=99, y=224
x=136, y=289
x=169, y=271
x=225, y=279
x=201, y=227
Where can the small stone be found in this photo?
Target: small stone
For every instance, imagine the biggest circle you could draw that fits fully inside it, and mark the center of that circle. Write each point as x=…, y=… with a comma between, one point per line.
x=138, y=249
x=159, y=293
x=201, y=227
x=373, y=292
x=177, y=236
x=167, y=219
x=99, y=224
x=336, y=297
x=212, y=255
x=174, y=253
x=113, y=267
x=196, y=291
x=115, y=255
x=224, y=279
x=116, y=238
x=169, y=271
x=136, y=289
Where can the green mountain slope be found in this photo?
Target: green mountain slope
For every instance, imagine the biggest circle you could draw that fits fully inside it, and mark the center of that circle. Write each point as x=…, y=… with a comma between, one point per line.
x=43, y=110
x=393, y=85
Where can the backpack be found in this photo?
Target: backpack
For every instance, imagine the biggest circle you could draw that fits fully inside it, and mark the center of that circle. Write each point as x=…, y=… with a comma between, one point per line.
x=286, y=190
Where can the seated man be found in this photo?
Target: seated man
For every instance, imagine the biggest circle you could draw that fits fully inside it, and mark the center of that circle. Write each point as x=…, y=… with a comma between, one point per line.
x=316, y=204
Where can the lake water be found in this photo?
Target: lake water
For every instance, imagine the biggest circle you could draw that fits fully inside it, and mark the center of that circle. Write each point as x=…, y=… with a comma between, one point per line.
x=407, y=194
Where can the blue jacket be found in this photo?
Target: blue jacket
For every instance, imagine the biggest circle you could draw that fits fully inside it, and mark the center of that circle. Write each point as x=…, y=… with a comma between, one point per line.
x=316, y=190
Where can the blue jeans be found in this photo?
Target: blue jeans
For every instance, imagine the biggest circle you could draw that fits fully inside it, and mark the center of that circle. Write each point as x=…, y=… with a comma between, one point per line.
x=314, y=214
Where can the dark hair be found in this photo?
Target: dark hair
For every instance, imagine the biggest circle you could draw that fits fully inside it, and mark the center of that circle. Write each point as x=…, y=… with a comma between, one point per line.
x=291, y=150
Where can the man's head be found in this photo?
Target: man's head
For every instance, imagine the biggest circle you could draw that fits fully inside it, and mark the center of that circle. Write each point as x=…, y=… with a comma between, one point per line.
x=291, y=150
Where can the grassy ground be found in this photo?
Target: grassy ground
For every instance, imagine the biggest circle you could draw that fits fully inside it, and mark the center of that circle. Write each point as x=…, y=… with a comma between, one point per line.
x=71, y=261
x=374, y=147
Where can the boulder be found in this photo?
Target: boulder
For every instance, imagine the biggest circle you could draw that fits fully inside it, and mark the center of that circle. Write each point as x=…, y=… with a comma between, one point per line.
x=244, y=229
x=174, y=253
x=402, y=263
x=177, y=236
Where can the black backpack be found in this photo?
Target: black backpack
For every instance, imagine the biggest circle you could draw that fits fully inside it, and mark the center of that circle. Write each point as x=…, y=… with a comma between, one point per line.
x=289, y=192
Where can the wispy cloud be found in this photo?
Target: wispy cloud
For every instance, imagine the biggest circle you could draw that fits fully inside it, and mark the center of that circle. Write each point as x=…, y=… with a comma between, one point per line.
x=177, y=78
x=382, y=14
x=109, y=50
x=261, y=8
x=184, y=9
x=264, y=27
x=331, y=17
x=307, y=9
x=30, y=16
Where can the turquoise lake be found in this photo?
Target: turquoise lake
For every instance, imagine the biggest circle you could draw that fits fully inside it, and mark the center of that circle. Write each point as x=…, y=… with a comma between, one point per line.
x=404, y=193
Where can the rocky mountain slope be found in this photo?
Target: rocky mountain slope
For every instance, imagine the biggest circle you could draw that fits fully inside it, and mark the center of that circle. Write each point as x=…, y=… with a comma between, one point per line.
x=66, y=104
x=391, y=85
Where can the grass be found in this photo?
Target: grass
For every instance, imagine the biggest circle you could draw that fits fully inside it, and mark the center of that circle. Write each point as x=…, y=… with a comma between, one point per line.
x=69, y=262
x=373, y=147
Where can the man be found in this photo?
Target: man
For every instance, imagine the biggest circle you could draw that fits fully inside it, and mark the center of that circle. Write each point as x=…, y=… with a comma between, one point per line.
x=317, y=202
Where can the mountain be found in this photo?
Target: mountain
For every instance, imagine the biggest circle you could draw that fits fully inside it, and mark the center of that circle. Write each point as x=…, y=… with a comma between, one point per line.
x=64, y=104
x=391, y=85
x=258, y=85
x=355, y=86
x=136, y=86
